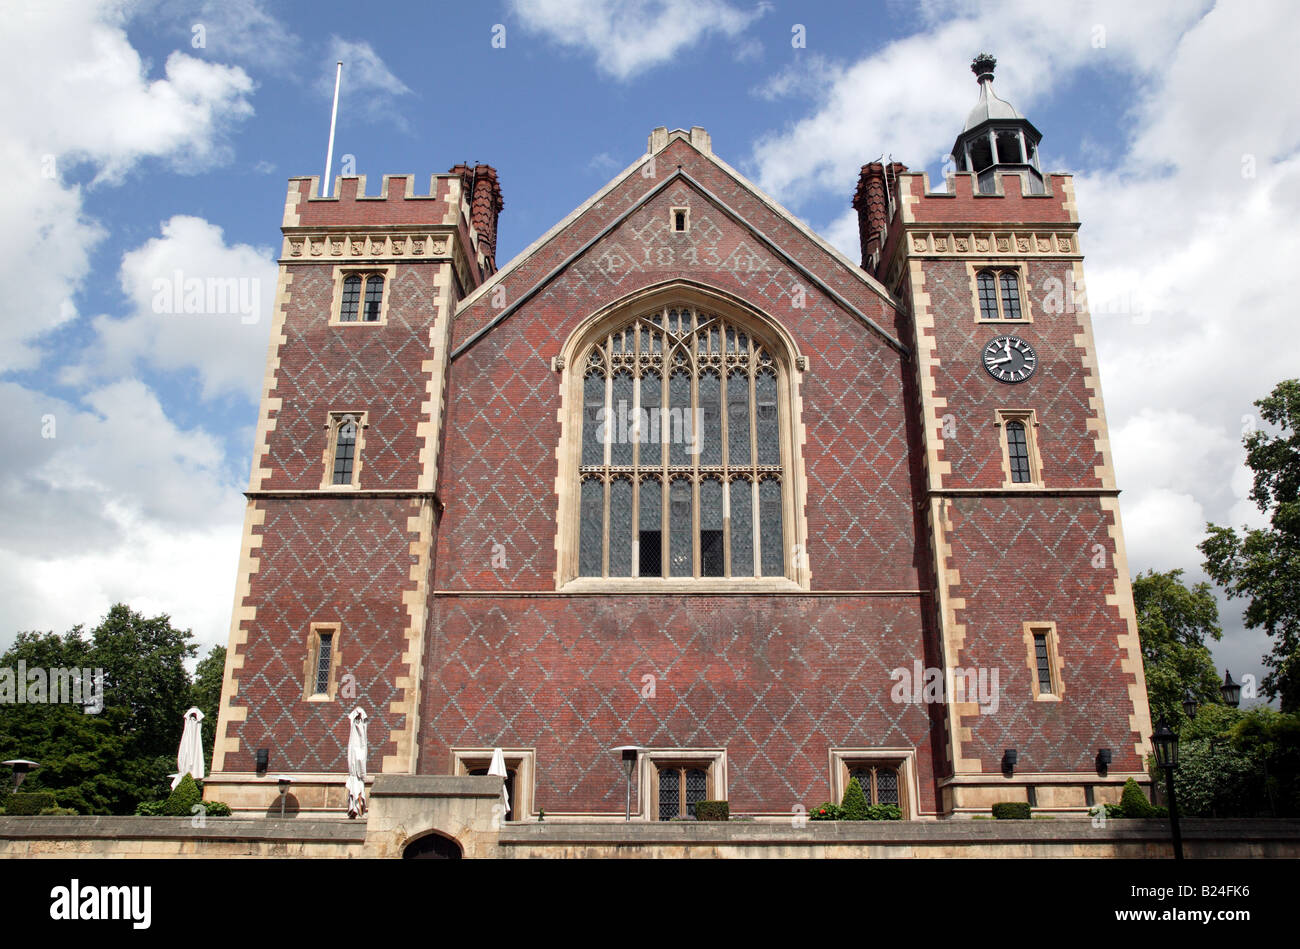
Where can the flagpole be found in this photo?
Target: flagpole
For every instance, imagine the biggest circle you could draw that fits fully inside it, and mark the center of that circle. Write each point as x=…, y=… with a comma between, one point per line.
x=334, y=117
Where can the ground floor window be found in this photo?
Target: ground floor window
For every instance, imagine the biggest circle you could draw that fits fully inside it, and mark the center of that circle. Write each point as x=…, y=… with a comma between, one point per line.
x=680, y=788
x=879, y=782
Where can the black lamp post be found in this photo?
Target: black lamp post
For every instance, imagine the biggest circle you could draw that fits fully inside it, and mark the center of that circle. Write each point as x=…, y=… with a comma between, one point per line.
x=629, y=753
x=1231, y=691
x=1190, y=704
x=1165, y=743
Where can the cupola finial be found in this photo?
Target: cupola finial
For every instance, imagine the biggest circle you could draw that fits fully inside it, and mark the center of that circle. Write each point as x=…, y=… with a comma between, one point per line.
x=982, y=66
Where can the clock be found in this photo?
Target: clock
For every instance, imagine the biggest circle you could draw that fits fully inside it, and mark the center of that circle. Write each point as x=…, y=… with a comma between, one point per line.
x=1010, y=359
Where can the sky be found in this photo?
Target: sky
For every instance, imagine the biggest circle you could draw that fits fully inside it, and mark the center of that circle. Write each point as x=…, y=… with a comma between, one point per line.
x=153, y=138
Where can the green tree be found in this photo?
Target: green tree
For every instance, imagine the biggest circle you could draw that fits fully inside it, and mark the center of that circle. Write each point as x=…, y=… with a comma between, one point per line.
x=1262, y=565
x=80, y=754
x=205, y=695
x=144, y=673
x=1174, y=623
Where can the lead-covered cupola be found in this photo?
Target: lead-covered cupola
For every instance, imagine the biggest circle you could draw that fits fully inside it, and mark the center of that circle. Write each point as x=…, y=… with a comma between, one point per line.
x=996, y=137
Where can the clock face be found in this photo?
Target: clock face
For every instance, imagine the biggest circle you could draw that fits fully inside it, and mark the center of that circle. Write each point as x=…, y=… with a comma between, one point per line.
x=1010, y=359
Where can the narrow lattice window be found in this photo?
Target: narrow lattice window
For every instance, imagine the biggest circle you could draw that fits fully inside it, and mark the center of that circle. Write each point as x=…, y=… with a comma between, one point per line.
x=1043, y=659
x=1010, y=296
x=345, y=447
x=1018, y=452
x=351, y=299
x=324, y=656
x=988, y=291
x=374, y=297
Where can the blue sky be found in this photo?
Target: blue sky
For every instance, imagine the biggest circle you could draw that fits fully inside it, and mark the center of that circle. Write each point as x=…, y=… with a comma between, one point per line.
x=1176, y=118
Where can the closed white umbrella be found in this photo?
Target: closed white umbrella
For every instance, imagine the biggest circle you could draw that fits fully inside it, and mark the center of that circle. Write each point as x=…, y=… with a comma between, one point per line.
x=498, y=768
x=356, y=782
x=189, y=760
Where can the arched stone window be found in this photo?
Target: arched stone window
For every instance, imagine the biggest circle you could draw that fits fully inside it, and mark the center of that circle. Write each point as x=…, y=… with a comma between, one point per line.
x=685, y=467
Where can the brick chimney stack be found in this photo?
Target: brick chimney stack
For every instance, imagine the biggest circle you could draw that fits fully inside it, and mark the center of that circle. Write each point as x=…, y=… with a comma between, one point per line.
x=485, y=203
x=871, y=200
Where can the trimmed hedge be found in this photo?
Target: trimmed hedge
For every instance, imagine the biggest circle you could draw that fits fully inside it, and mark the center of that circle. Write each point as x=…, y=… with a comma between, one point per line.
x=1011, y=810
x=712, y=810
x=59, y=812
x=854, y=806
x=29, y=803
x=884, y=812
x=828, y=810
x=183, y=797
x=1134, y=802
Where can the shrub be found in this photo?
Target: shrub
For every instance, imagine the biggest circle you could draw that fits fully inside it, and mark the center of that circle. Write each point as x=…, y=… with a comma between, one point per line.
x=827, y=811
x=854, y=806
x=183, y=797
x=1114, y=810
x=217, y=808
x=1011, y=810
x=712, y=810
x=28, y=803
x=884, y=812
x=1134, y=801
x=58, y=812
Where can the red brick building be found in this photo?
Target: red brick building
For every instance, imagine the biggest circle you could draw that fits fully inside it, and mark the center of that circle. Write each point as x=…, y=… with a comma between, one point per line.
x=683, y=476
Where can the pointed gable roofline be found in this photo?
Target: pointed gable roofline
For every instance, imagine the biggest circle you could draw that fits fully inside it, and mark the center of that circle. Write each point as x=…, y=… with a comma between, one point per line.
x=698, y=140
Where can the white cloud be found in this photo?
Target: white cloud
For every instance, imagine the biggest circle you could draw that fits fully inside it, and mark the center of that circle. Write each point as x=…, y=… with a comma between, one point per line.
x=197, y=305
x=910, y=98
x=630, y=38
x=118, y=505
x=79, y=93
x=368, y=86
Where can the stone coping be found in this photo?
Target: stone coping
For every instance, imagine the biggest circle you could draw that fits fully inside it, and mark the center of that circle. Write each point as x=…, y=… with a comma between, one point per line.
x=176, y=828
x=1055, y=830
x=435, y=785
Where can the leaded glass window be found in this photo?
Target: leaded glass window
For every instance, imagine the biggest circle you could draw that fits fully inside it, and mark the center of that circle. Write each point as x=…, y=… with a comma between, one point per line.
x=1018, y=452
x=345, y=446
x=1010, y=295
x=681, y=787
x=682, y=471
x=988, y=292
x=999, y=294
x=324, y=647
x=879, y=782
x=1044, y=663
x=351, y=299
x=362, y=298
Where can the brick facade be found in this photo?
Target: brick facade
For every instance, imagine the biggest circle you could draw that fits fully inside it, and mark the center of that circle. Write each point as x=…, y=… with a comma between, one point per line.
x=442, y=566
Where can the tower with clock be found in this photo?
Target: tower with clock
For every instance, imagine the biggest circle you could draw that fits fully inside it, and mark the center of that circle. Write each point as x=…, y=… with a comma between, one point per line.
x=1020, y=498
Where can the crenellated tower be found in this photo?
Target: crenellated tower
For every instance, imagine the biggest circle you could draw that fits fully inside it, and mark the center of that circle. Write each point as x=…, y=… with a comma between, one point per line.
x=331, y=603
x=1022, y=507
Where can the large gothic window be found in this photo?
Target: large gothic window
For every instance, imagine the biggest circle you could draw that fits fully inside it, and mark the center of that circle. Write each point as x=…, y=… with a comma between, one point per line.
x=680, y=472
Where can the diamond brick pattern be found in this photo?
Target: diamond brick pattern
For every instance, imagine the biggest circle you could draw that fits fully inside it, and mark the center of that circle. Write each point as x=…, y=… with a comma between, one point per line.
x=1056, y=391
x=371, y=368
x=565, y=675
x=775, y=679
x=502, y=434
x=342, y=560
x=1031, y=559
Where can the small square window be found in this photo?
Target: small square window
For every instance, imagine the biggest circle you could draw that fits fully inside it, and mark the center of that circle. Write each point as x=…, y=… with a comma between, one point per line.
x=361, y=296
